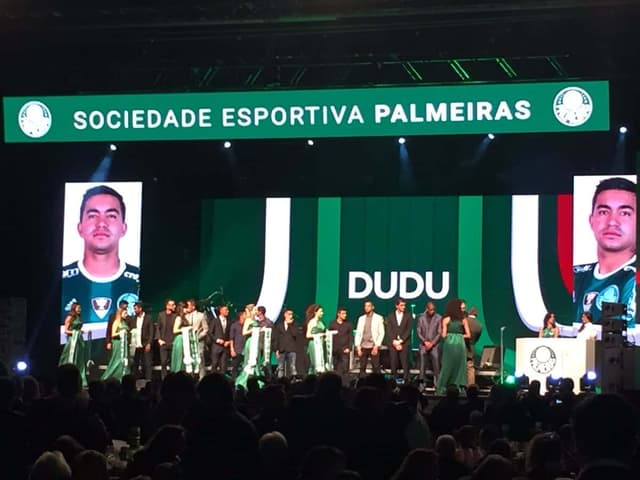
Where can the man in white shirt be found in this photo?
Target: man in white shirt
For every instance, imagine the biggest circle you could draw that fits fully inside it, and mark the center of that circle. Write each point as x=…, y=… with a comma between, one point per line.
x=369, y=338
x=142, y=337
x=201, y=328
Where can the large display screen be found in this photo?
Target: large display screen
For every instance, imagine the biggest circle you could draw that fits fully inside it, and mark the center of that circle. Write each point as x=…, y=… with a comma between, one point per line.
x=604, y=244
x=101, y=250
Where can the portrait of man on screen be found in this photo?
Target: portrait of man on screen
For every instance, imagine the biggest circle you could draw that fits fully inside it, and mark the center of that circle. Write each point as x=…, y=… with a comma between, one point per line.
x=612, y=278
x=99, y=280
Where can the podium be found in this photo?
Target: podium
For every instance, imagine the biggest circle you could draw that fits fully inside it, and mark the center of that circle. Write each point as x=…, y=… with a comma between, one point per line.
x=571, y=358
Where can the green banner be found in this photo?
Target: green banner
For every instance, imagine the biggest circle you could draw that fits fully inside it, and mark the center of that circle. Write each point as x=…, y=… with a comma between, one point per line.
x=435, y=110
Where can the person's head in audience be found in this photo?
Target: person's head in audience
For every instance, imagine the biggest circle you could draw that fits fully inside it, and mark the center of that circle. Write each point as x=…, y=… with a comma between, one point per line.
x=494, y=467
x=273, y=397
x=167, y=444
x=128, y=385
x=419, y=464
x=605, y=427
x=68, y=381
x=534, y=388
x=329, y=387
x=50, y=466
x=543, y=458
x=500, y=447
x=178, y=391
x=565, y=389
x=30, y=390
x=68, y=446
x=274, y=452
x=489, y=434
x=473, y=392
x=452, y=393
x=7, y=394
x=446, y=447
x=90, y=465
x=476, y=418
x=369, y=401
x=97, y=390
x=322, y=463
x=467, y=436
x=410, y=394
x=216, y=391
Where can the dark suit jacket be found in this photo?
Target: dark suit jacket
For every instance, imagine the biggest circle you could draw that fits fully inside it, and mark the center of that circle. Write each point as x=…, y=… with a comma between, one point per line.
x=285, y=340
x=147, y=328
x=402, y=331
x=165, y=327
x=217, y=332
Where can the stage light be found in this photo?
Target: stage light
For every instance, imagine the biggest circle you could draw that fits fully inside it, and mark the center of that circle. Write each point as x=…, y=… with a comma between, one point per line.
x=113, y=147
x=510, y=380
x=22, y=366
x=522, y=381
x=553, y=382
x=588, y=381
x=310, y=142
x=491, y=136
x=623, y=129
x=227, y=144
x=402, y=140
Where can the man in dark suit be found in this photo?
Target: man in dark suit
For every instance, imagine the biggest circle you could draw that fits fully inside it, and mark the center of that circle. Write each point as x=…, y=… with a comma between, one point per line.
x=220, y=334
x=285, y=334
x=164, y=324
x=429, y=330
x=399, y=333
x=141, y=337
x=475, y=328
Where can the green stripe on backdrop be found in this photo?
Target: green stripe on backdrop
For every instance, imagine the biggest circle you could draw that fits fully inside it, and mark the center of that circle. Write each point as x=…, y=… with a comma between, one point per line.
x=470, y=221
x=553, y=290
x=328, y=255
x=232, y=249
x=497, y=289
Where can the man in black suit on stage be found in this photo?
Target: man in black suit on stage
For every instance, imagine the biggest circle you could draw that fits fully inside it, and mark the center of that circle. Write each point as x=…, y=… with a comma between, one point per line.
x=220, y=327
x=399, y=335
x=164, y=326
x=141, y=337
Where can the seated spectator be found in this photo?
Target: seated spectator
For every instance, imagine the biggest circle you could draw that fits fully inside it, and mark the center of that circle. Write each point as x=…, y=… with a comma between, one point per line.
x=449, y=466
x=274, y=457
x=419, y=464
x=14, y=436
x=69, y=447
x=488, y=434
x=447, y=415
x=90, y=465
x=50, y=466
x=468, y=452
x=322, y=463
x=543, y=460
x=166, y=446
x=494, y=467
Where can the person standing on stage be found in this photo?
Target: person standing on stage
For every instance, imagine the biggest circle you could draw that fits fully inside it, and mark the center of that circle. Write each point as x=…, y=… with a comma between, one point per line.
x=236, y=345
x=178, y=363
x=342, y=343
x=587, y=330
x=142, y=336
x=475, y=330
x=429, y=330
x=549, y=328
x=201, y=328
x=122, y=305
x=263, y=321
x=369, y=338
x=164, y=335
x=455, y=329
x=119, y=364
x=74, y=350
x=220, y=329
x=399, y=335
x=314, y=325
x=285, y=335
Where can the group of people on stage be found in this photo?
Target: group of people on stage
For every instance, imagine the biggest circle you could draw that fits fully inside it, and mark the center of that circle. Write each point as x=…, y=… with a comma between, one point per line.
x=550, y=328
x=184, y=335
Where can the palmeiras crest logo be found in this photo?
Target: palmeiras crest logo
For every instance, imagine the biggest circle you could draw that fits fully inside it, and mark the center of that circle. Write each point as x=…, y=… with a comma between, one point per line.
x=34, y=119
x=101, y=306
x=572, y=106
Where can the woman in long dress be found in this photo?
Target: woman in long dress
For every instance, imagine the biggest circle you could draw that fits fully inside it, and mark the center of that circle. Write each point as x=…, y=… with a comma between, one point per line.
x=74, y=350
x=119, y=362
x=177, y=351
x=455, y=329
x=313, y=316
x=251, y=366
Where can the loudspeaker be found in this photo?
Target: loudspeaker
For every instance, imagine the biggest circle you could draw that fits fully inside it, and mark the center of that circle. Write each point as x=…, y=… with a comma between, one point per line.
x=613, y=309
x=490, y=357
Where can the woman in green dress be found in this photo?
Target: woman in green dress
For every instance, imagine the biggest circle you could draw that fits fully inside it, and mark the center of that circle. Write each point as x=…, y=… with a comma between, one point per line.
x=549, y=328
x=455, y=329
x=252, y=360
x=177, y=351
x=74, y=350
x=118, y=365
x=313, y=316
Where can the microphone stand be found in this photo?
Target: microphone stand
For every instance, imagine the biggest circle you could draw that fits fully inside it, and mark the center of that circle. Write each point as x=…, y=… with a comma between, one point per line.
x=502, y=329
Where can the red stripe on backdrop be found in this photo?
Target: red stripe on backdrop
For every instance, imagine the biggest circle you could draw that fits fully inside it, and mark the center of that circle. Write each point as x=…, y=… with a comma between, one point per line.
x=565, y=240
